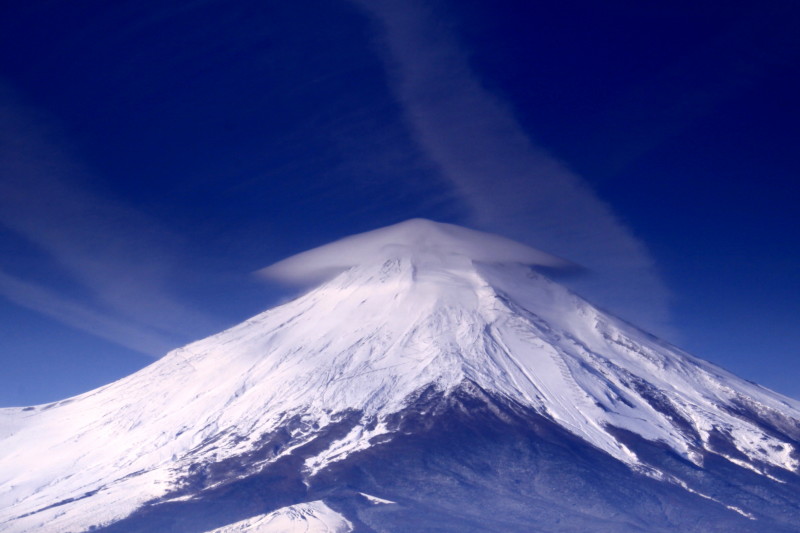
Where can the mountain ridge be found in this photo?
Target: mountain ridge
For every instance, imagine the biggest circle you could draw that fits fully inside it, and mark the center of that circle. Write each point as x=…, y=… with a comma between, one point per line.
x=319, y=381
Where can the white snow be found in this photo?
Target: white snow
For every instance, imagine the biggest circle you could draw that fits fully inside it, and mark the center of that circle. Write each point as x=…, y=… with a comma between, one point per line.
x=428, y=307
x=311, y=517
x=375, y=500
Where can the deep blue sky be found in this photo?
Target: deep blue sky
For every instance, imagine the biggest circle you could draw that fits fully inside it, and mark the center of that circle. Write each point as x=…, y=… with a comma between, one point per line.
x=154, y=154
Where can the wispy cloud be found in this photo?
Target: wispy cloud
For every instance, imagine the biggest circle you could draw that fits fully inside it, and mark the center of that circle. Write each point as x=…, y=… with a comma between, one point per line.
x=73, y=313
x=121, y=258
x=512, y=185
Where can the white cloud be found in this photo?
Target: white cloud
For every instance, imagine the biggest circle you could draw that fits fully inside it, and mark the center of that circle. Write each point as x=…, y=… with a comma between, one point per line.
x=412, y=237
x=122, y=259
x=512, y=185
x=79, y=316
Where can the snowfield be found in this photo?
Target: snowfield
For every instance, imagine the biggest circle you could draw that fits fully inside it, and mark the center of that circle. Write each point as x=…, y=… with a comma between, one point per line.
x=427, y=308
x=311, y=517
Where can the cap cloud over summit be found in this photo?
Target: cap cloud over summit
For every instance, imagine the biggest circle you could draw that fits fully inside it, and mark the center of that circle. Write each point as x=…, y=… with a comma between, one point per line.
x=416, y=237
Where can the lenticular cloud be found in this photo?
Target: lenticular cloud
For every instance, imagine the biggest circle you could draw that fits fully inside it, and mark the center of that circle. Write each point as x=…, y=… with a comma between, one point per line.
x=412, y=237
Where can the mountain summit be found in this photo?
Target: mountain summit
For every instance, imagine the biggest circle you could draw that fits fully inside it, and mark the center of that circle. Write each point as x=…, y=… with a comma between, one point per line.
x=434, y=382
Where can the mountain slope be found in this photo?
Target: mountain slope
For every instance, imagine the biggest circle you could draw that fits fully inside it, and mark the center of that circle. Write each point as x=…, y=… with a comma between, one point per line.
x=420, y=328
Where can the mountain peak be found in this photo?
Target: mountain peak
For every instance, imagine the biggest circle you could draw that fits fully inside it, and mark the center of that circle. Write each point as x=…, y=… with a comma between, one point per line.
x=422, y=318
x=423, y=241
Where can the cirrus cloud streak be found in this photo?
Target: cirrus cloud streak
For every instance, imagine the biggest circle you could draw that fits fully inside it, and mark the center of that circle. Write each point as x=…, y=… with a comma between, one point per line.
x=512, y=185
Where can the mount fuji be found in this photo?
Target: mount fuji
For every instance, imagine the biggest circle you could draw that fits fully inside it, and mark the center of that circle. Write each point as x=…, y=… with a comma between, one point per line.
x=432, y=379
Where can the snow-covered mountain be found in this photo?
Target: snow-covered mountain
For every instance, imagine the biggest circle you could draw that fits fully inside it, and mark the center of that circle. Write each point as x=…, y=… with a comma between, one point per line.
x=435, y=382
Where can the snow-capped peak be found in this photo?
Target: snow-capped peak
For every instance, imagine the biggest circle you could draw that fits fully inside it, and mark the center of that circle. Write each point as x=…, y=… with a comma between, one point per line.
x=418, y=305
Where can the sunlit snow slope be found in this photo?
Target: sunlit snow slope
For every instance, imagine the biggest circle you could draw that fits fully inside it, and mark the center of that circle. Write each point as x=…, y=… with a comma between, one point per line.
x=301, y=518
x=415, y=305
